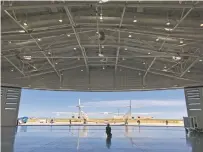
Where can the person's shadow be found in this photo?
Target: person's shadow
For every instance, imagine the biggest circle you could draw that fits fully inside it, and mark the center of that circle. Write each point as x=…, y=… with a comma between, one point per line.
x=108, y=142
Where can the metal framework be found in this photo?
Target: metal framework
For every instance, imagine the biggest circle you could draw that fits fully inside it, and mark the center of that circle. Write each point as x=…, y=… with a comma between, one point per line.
x=146, y=45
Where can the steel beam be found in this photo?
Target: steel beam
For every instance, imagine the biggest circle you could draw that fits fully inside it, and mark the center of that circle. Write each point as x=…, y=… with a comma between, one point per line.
x=97, y=22
x=132, y=49
x=15, y=21
x=42, y=51
x=79, y=4
x=148, y=69
x=14, y=65
x=77, y=37
x=159, y=73
x=190, y=66
x=33, y=39
x=109, y=57
x=63, y=69
x=123, y=66
x=119, y=37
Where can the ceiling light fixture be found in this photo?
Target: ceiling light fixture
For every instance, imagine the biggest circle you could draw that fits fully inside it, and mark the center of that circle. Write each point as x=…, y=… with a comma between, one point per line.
x=61, y=20
x=12, y=70
x=157, y=39
x=100, y=55
x=102, y=46
x=181, y=41
x=134, y=21
x=165, y=70
x=27, y=57
x=101, y=18
x=68, y=35
x=74, y=48
x=9, y=42
x=176, y=58
x=201, y=25
x=149, y=53
x=103, y=67
x=49, y=52
x=188, y=71
x=25, y=23
x=165, y=66
x=82, y=70
x=143, y=63
x=129, y=35
x=126, y=49
x=21, y=31
x=39, y=39
x=168, y=23
x=56, y=63
x=168, y=29
x=200, y=60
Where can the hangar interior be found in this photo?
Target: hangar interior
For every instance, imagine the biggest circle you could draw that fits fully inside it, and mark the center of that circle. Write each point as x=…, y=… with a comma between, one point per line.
x=101, y=46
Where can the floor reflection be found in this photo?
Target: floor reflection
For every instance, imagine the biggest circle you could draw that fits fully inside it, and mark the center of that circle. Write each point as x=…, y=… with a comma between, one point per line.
x=23, y=128
x=8, y=138
x=195, y=141
x=108, y=142
x=93, y=138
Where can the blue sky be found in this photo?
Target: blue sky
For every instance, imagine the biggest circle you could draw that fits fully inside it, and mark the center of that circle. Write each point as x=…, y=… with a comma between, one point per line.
x=159, y=104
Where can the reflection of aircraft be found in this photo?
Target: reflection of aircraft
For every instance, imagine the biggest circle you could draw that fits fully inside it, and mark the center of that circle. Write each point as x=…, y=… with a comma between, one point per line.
x=84, y=131
x=126, y=131
x=128, y=134
x=81, y=133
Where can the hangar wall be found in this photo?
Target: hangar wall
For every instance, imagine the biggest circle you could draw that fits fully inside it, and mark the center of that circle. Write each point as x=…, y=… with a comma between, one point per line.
x=194, y=103
x=10, y=100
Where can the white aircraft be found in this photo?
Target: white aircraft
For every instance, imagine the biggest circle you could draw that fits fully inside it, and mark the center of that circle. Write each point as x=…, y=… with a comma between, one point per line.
x=127, y=115
x=81, y=114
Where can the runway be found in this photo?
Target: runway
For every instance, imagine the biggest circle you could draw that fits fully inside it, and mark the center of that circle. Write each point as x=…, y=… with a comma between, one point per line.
x=93, y=139
x=101, y=124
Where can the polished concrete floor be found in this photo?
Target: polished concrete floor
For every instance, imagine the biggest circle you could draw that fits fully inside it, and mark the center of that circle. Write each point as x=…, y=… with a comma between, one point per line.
x=93, y=139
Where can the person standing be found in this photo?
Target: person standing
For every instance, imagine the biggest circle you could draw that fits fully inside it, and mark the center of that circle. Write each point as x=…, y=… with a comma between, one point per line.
x=138, y=122
x=167, y=122
x=108, y=131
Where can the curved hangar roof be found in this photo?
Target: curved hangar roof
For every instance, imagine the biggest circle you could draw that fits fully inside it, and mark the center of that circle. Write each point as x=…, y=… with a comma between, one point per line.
x=102, y=46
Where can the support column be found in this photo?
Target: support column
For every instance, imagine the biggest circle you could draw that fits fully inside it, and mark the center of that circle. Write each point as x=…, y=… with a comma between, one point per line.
x=10, y=99
x=194, y=103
